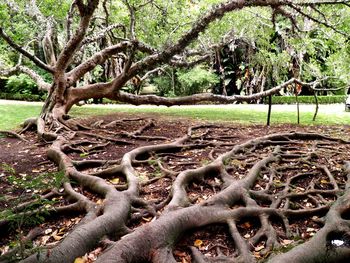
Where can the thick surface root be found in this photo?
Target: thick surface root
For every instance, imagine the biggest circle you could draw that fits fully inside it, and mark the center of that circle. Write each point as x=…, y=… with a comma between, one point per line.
x=205, y=196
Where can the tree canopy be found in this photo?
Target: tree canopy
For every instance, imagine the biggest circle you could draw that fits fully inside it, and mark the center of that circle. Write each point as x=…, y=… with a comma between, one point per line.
x=279, y=40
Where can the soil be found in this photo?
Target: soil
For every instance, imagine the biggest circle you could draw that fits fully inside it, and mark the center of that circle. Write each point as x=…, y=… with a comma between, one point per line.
x=24, y=161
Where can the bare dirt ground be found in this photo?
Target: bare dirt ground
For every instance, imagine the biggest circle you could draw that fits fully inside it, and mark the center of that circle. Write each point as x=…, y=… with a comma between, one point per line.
x=24, y=161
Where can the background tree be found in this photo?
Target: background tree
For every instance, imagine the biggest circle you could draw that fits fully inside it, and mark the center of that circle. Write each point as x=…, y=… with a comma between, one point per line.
x=125, y=39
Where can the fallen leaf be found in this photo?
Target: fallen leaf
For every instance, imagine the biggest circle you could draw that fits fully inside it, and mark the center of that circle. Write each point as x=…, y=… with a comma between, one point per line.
x=286, y=242
x=310, y=229
x=115, y=180
x=217, y=180
x=257, y=249
x=57, y=238
x=44, y=240
x=198, y=243
x=300, y=189
x=80, y=260
x=257, y=255
x=4, y=250
x=48, y=231
x=323, y=181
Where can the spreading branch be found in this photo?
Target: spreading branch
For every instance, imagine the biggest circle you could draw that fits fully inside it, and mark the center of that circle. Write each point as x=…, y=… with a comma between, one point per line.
x=24, y=52
x=204, y=97
x=42, y=84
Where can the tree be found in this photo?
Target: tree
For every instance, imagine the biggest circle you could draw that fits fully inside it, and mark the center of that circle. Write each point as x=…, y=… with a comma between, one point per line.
x=126, y=55
x=90, y=42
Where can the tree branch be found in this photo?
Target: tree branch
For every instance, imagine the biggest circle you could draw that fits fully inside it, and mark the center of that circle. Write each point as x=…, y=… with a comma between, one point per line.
x=31, y=73
x=187, y=64
x=132, y=10
x=95, y=60
x=296, y=8
x=86, y=12
x=69, y=20
x=216, y=13
x=101, y=34
x=204, y=97
x=151, y=72
x=33, y=58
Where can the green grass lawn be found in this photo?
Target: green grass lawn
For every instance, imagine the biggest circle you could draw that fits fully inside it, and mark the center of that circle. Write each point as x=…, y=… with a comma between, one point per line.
x=237, y=113
x=11, y=116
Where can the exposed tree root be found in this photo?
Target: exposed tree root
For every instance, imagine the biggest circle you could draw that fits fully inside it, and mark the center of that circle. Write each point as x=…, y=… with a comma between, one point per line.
x=150, y=198
x=13, y=134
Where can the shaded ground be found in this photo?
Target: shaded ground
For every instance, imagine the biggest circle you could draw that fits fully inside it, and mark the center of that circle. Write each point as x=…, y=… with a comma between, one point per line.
x=309, y=178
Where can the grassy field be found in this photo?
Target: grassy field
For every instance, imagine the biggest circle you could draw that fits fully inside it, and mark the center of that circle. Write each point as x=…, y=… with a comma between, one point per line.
x=12, y=115
x=333, y=114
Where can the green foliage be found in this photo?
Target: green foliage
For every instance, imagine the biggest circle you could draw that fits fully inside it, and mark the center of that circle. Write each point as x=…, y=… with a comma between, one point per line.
x=164, y=86
x=187, y=82
x=276, y=64
x=6, y=54
x=196, y=80
x=55, y=8
x=25, y=97
x=37, y=182
x=12, y=115
x=27, y=189
x=8, y=169
x=21, y=84
x=160, y=23
x=307, y=99
x=19, y=220
x=4, y=15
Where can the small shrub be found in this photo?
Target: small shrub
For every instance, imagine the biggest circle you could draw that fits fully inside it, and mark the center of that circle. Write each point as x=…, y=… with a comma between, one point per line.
x=164, y=85
x=35, y=211
x=21, y=84
x=196, y=80
x=25, y=97
x=307, y=99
